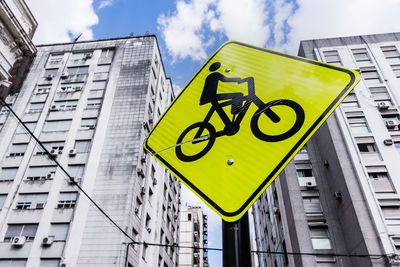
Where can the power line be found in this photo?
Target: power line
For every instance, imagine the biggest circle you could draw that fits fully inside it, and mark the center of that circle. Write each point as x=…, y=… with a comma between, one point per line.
x=174, y=245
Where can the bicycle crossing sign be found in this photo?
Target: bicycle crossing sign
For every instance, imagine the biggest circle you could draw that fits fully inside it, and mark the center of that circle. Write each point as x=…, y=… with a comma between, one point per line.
x=241, y=119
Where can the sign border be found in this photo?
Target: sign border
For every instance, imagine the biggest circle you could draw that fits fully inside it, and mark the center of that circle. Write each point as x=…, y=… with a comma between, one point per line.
x=286, y=159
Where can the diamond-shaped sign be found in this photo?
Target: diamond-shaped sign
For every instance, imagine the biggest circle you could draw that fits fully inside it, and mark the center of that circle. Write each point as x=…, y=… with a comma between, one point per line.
x=241, y=119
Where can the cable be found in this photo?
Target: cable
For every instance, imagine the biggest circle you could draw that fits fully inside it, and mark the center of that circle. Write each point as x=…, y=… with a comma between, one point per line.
x=62, y=168
x=174, y=245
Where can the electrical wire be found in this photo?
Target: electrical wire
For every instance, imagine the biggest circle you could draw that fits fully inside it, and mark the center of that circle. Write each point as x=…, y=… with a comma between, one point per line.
x=174, y=245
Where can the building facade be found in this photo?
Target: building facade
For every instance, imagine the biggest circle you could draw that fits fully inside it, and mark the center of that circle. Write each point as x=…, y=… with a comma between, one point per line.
x=91, y=104
x=340, y=194
x=17, y=26
x=193, y=235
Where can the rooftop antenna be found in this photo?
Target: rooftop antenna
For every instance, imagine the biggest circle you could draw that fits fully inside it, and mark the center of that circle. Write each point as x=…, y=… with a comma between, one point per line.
x=76, y=39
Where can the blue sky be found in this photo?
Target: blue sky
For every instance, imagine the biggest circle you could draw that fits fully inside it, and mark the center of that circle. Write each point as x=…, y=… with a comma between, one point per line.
x=189, y=31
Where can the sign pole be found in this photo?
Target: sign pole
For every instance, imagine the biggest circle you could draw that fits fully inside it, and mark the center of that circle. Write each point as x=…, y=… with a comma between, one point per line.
x=236, y=242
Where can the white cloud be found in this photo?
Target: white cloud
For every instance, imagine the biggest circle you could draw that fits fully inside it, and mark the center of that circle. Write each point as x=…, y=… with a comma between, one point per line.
x=186, y=31
x=105, y=3
x=326, y=18
x=58, y=19
x=182, y=31
x=243, y=20
x=282, y=12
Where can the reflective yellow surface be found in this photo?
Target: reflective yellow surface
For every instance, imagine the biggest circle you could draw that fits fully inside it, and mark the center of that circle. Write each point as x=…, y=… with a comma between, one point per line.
x=230, y=189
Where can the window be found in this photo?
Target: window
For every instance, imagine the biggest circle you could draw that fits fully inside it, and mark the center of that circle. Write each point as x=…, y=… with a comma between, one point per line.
x=312, y=205
x=144, y=251
x=35, y=107
x=27, y=230
x=358, y=125
x=381, y=182
x=332, y=57
x=320, y=238
x=361, y=55
x=88, y=123
x=31, y=201
x=55, y=147
x=107, y=53
x=31, y=126
x=304, y=173
x=66, y=105
x=49, y=263
x=82, y=70
x=98, y=85
x=370, y=75
x=367, y=148
x=50, y=72
x=82, y=146
x=76, y=171
x=2, y=200
x=54, y=126
x=396, y=70
x=391, y=54
x=13, y=263
x=189, y=216
x=8, y=174
x=94, y=103
x=103, y=68
x=18, y=149
x=41, y=173
x=43, y=89
x=71, y=87
x=59, y=231
x=138, y=207
x=81, y=57
x=67, y=200
x=55, y=59
x=4, y=110
x=147, y=224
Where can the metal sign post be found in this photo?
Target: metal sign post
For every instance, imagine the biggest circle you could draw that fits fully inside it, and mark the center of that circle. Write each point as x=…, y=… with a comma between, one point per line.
x=236, y=243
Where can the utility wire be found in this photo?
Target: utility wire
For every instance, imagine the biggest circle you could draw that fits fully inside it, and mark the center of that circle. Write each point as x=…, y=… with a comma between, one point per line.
x=174, y=245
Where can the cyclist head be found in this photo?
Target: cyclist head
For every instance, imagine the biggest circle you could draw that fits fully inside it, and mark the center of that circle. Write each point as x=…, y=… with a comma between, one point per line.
x=215, y=66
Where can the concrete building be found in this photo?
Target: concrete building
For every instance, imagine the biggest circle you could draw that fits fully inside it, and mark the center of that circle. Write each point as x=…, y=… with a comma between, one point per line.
x=17, y=26
x=340, y=194
x=193, y=233
x=91, y=103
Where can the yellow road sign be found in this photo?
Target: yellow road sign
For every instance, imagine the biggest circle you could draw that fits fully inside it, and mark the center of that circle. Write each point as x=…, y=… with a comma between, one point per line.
x=241, y=119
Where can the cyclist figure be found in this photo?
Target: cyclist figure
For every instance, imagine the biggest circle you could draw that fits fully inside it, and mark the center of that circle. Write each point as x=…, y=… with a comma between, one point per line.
x=210, y=95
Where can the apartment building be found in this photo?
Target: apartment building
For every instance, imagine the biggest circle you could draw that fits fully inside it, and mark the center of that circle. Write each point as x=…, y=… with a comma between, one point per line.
x=91, y=104
x=340, y=194
x=17, y=26
x=193, y=235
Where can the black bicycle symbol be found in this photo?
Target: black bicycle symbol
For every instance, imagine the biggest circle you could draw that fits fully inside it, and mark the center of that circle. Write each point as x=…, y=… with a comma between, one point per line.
x=238, y=110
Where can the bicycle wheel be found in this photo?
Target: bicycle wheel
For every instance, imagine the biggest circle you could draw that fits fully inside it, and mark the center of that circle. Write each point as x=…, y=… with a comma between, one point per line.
x=279, y=137
x=195, y=155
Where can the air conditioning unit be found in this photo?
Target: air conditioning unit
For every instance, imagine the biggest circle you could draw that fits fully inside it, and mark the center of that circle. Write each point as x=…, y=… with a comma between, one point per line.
x=18, y=241
x=54, y=108
x=87, y=56
x=310, y=184
x=196, y=233
x=40, y=206
x=196, y=244
x=143, y=158
x=196, y=255
x=64, y=75
x=48, y=240
x=54, y=152
x=76, y=89
x=391, y=124
x=62, y=264
x=136, y=210
x=49, y=77
x=72, y=152
x=73, y=180
x=140, y=172
x=50, y=176
x=150, y=120
x=153, y=98
x=154, y=181
x=175, y=217
x=382, y=105
x=91, y=127
x=142, y=190
x=148, y=230
x=169, y=205
x=388, y=142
